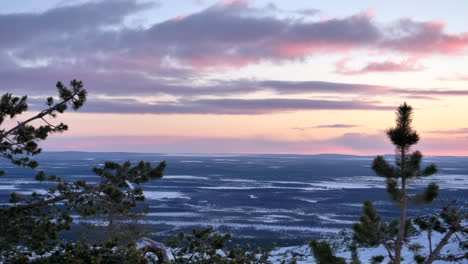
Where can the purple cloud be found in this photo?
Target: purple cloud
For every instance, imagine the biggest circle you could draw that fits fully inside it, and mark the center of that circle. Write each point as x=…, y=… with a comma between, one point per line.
x=336, y=126
x=28, y=29
x=218, y=106
x=137, y=84
x=424, y=38
x=327, y=126
x=449, y=132
x=408, y=65
x=433, y=92
x=91, y=43
x=229, y=34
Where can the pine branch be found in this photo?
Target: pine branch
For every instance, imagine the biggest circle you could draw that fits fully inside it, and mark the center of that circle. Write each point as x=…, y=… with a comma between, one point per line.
x=389, y=251
x=51, y=201
x=38, y=116
x=452, y=258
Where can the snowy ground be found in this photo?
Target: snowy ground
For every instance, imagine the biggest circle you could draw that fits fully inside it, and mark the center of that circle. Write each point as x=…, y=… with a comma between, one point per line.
x=303, y=253
x=306, y=257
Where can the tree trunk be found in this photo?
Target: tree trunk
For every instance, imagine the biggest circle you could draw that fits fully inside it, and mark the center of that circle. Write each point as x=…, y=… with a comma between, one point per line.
x=402, y=224
x=157, y=248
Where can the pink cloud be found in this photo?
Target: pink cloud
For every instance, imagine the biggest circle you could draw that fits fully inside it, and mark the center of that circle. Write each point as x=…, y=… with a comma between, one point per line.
x=227, y=3
x=230, y=33
x=181, y=17
x=408, y=65
x=369, y=12
x=457, y=77
x=390, y=66
x=426, y=38
x=237, y=38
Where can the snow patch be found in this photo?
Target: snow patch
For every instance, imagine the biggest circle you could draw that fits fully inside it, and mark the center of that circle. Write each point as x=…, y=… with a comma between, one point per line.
x=156, y=195
x=184, y=177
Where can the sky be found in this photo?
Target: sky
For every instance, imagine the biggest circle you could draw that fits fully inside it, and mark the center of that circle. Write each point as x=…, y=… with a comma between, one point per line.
x=243, y=76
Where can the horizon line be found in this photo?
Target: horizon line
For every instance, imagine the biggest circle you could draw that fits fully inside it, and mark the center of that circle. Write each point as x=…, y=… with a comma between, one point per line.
x=239, y=154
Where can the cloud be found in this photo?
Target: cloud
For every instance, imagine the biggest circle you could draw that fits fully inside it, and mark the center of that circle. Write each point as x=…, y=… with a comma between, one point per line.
x=199, y=2
x=93, y=44
x=458, y=77
x=231, y=106
x=327, y=126
x=389, y=66
x=433, y=92
x=308, y=12
x=217, y=106
x=40, y=81
x=336, y=126
x=463, y=78
x=291, y=87
x=229, y=34
x=422, y=97
x=425, y=38
x=409, y=65
x=26, y=29
x=449, y=132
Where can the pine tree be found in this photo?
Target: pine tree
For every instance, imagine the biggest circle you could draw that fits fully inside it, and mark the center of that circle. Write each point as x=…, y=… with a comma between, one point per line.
x=205, y=246
x=373, y=231
x=31, y=225
x=323, y=253
x=407, y=167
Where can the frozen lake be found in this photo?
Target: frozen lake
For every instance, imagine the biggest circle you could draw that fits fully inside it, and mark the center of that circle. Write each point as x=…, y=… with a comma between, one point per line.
x=287, y=198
